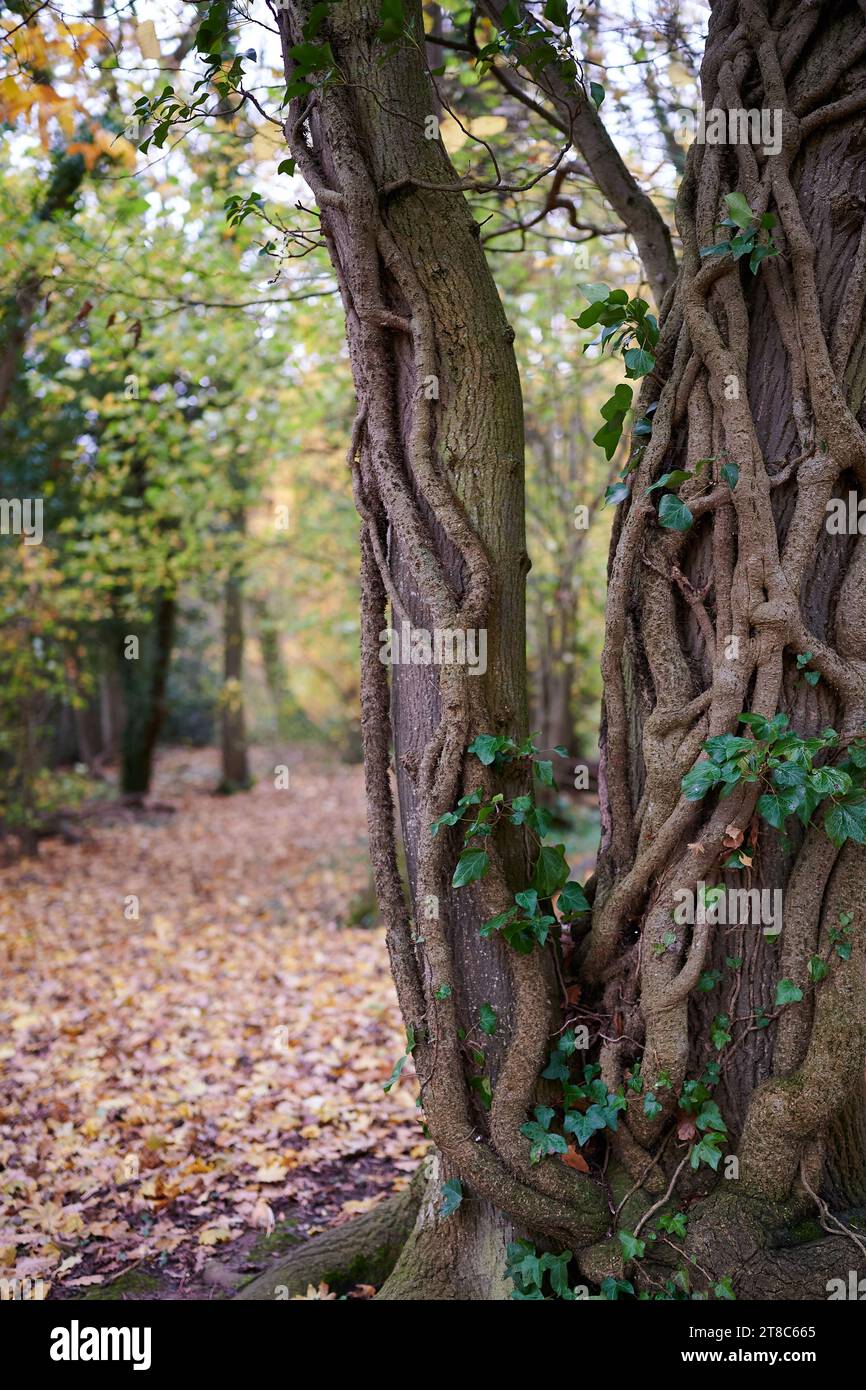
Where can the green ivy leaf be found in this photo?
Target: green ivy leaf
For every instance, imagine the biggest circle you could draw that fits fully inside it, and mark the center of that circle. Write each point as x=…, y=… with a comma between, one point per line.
x=632, y=1248
x=739, y=210
x=787, y=993
x=847, y=820
x=572, y=901
x=472, y=865
x=488, y=1019
x=452, y=1196
x=674, y=515
x=551, y=870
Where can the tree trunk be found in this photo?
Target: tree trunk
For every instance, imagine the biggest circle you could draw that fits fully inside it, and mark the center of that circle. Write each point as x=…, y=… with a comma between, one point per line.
x=437, y=455
x=762, y=371
x=144, y=682
x=235, y=766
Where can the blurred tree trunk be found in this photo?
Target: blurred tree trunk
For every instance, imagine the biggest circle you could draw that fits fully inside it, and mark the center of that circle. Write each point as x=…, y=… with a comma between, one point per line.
x=144, y=681
x=235, y=764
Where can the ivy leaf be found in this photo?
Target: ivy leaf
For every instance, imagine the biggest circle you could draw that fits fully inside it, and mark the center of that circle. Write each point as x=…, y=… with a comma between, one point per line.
x=611, y=1288
x=710, y=1117
x=702, y=778
x=651, y=1106
x=638, y=362
x=731, y=474
x=670, y=480
x=616, y=493
x=674, y=1223
x=488, y=1019
x=739, y=210
x=557, y=12
x=818, y=969
x=719, y=1034
x=541, y=1142
x=632, y=1248
x=551, y=870
x=572, y=901
x=584, y=1126
x=830, y=781
x=847, y=820
x=472, y=865
x=486, y=746
x=674, y=515
x=395, y=1074
x=557, y=1068
x=707, y=1151
x=787, y=993
x=452, y=1196
x=543, y=769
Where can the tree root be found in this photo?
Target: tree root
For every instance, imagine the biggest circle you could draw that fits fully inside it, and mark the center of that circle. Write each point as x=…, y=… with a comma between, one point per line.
x=730, y=1236
x=363, y=1251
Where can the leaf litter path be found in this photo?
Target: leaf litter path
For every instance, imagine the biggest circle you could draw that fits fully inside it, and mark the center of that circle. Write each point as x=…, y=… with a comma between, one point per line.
x=173, y=1085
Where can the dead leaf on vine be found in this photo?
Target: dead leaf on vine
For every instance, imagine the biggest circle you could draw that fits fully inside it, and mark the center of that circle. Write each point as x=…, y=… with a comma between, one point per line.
x=697, y=847
x=573, y=994
x=686, y=1129
x=573, y=1159
x=733, y=837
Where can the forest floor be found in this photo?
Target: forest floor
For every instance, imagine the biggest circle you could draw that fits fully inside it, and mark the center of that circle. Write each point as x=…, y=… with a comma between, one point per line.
x=187, y=1090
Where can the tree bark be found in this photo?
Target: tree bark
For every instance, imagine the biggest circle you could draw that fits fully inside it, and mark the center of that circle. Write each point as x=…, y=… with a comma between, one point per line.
x=763, y=371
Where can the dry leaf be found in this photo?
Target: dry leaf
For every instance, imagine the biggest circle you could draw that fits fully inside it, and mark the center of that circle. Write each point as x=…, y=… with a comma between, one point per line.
x=575, y=1160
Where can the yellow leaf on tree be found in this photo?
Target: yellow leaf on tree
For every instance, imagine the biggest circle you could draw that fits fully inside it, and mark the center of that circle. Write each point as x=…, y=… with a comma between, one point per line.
x=453, y=138
x=484, y=126
x=147, y=40
x=266, y=146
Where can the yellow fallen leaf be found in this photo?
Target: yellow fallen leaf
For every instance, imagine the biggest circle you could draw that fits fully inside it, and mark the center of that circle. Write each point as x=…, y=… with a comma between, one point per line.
x=484, y=126
x=273, y=1172
x=214, y=1235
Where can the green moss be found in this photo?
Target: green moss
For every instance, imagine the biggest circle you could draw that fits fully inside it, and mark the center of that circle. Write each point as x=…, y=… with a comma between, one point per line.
x=136, y=1284
x=282, y=1237
x=806, y=1230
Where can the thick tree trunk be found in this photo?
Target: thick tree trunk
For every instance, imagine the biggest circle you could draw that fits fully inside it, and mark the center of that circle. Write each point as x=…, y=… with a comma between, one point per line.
x=763, y=371
x=437, y=454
